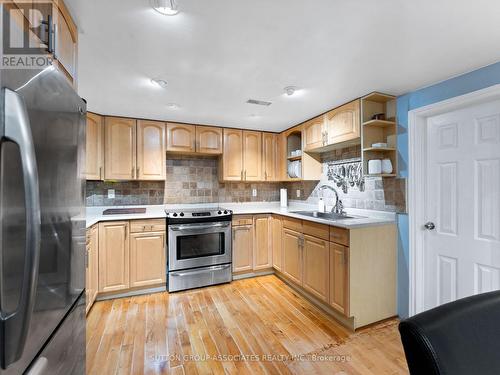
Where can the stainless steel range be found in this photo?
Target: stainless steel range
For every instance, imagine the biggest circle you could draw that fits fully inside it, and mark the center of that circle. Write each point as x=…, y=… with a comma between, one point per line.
x=199, y=246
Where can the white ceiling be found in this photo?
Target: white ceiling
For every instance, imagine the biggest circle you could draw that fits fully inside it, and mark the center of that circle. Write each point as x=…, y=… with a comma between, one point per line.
x=216, y=54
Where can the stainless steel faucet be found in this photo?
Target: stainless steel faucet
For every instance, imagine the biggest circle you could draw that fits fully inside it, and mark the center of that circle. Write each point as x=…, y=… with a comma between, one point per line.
x=339, y=207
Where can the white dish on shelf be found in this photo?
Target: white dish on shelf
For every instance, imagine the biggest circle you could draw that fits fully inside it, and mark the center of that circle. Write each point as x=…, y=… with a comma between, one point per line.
x=379, y=145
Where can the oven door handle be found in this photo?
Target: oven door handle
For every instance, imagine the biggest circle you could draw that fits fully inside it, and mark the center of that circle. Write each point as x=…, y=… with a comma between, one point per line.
x=197, y=227
x=203, y=270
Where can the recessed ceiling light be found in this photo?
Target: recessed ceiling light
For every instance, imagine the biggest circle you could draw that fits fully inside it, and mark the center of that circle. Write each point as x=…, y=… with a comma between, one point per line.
x=173, y=106
x=165, y=7
x=159, y=83
x=290, y=90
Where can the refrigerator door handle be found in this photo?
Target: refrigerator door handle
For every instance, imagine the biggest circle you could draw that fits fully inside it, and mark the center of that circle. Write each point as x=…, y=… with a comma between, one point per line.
x=15, y=127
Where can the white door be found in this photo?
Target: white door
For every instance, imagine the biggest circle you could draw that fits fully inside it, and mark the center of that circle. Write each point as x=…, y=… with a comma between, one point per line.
x=462, y=252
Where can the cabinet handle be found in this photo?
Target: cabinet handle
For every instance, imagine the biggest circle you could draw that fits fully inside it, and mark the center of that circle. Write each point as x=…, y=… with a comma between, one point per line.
x=245, y=174
x=137, y=175
x=194, y=145
x=265, y=175
x=87, y=259
x=133, y=172
x=242, y=175
x=100, y=173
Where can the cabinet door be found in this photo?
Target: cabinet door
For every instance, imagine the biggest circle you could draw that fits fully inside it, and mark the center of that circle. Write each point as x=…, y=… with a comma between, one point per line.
x=252, y=156
x=181, y=137
x=262, y=251
x=277, y=246
x=208, y=140
x=151, y=158
x=232, y=158
x=269, y=156
x=120, y=150
x=94, y=151
x=316, y=267
x=94, y=262
x=147, y=259
x=339, y=278
x=242, y=248
x=66, y=41
x=343, y=123
x=88, y=285
x=292, y=255
x=114, y=257
x=313, y=133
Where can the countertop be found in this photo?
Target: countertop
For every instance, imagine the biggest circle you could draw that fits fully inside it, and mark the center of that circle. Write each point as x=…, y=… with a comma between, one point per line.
x=364, y=218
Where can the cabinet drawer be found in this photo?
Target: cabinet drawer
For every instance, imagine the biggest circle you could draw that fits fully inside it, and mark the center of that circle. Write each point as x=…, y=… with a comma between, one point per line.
x=317, y=230
x=339, y=235
x=137, y=226
x=293, y=224
x=242, y=220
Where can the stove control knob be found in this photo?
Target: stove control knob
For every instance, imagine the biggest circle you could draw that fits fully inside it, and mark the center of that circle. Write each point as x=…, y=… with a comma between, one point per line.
x=219, y=212
x=181, y=214
x=225, y=212
x=175, y=214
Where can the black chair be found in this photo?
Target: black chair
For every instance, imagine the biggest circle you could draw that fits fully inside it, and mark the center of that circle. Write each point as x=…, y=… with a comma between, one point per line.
x=458, y=338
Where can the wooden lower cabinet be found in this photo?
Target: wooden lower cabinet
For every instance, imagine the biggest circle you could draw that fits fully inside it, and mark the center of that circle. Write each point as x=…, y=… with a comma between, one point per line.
x=132, y=255
x=91, y=266
x=242, y=248
x=276, y=242
x=316, y=267
x=262, y=254
x=292, y=255
x=339, y=278
x=114, y=256
x=147, y=259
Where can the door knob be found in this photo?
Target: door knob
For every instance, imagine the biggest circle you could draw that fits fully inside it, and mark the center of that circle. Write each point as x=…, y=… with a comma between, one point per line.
x=430, y=225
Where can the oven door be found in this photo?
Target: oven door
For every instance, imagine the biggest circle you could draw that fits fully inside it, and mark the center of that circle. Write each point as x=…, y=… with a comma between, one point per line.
x=198, y=245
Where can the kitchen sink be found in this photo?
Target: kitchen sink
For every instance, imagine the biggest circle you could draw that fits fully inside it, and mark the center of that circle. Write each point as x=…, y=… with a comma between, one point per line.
x=326, y=215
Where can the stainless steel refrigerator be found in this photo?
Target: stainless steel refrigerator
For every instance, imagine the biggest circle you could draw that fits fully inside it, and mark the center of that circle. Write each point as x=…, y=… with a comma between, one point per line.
x=42, y=224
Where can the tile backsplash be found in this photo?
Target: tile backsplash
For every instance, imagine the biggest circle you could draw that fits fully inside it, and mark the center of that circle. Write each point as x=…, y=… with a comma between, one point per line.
x=195, y=180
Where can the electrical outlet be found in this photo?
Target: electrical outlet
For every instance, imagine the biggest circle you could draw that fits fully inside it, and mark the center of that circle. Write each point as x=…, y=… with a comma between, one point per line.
x=298, y=193
x=111, y=193
x=254, y=192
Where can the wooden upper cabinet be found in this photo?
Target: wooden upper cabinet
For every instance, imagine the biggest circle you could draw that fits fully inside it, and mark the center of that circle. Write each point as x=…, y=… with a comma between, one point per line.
x=316, y=267
x=339, y=278
x=252, y=155
x=181, y=137
x=343, y=123
x=276, y=242
x=269, y=156
x=232, y=158
x=314, y=133
x=151, y=158
x=292, y=255
x=208, y=140
x=147, y=259
x=66, y=43
x=94, y=147
x=120, y=148
x=262, y=253
x=114, y=261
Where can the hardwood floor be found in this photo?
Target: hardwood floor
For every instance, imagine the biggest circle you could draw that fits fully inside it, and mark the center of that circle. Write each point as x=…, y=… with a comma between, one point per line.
x=206, y=331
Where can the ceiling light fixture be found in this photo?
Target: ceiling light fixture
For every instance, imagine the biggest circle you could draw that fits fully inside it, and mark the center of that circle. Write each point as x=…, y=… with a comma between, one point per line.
x=165, y=7
x=172, y=106
x=290, y=90
x=159, y=83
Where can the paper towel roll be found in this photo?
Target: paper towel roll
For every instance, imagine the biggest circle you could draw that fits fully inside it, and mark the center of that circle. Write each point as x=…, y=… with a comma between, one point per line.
x=283, y=198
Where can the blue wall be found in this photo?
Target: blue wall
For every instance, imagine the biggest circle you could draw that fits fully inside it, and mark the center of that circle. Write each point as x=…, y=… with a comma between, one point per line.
x=473, y=81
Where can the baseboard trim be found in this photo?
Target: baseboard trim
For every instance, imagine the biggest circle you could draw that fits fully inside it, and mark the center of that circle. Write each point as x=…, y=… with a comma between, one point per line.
x=131, y=293
x=248, y=275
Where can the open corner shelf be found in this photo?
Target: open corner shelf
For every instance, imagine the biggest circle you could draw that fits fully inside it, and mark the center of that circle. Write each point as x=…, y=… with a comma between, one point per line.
x=374, y=131
x=380, y=149
x=293, y=158
x=380, y=123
